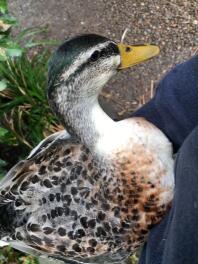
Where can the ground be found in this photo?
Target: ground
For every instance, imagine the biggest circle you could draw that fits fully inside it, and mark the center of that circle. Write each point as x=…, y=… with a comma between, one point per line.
x=170, y=24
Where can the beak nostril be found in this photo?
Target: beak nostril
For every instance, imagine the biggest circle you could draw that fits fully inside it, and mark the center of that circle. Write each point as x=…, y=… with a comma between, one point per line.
x=128, y=49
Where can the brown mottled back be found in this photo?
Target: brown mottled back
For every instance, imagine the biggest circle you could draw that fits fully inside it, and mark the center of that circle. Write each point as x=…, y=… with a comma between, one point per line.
x=71, y=204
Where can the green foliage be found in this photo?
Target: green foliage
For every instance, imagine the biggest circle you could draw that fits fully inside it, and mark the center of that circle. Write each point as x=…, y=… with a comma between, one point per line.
x=2, y=169
x=3, y=85
x=8, y=47
x=9, y=255
x=25, y=117
x=24, y=110
x=134, y=259
x=3, y=132
x=14, y=47
x=3, y=6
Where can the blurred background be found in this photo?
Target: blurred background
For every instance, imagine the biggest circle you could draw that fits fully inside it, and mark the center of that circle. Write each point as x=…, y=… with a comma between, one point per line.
x=31, y=29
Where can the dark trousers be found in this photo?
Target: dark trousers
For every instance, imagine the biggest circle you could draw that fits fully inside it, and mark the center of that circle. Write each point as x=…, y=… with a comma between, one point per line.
x=175, y=239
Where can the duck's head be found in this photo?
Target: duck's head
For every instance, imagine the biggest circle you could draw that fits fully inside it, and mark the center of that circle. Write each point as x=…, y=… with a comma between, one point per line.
x=77, y=72
x=83, y=64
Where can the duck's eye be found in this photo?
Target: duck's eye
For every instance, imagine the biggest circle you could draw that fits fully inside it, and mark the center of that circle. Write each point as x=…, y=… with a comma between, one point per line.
x=95, y=56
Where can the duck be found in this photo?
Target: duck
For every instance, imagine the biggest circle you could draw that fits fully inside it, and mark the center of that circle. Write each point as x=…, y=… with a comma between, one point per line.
x=91, y=192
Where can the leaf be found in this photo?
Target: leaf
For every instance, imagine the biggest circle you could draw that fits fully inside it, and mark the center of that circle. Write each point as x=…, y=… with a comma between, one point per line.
x=3, y=131
x=3, y=85
x=31, y=31
x=4, y=26
x=2, y=163
x=14, y=52
x=41, y=43
x=2, y=36
x=9, y=19
x=3, y=6
x=3, y=56
x=8, y=43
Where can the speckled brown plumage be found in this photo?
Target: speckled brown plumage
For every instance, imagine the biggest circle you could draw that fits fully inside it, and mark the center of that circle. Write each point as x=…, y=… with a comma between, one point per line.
x=71, y=205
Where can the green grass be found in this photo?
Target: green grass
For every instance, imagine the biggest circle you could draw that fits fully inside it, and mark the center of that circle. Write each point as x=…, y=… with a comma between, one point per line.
x=24, y=111
x=11, y=256
x=25, y=117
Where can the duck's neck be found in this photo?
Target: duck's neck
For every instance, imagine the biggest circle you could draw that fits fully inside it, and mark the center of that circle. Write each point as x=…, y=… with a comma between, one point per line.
x=86, y=120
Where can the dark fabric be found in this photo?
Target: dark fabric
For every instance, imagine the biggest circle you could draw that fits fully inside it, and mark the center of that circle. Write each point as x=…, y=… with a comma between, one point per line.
x=174, y=110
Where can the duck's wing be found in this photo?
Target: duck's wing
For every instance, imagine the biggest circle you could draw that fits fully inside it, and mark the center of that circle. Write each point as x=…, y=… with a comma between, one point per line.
x=63, y=134
x=10, y=186
x=30, y=181
x=53, y=197
x=121, y=257
x=20, y=171
x=43, y=259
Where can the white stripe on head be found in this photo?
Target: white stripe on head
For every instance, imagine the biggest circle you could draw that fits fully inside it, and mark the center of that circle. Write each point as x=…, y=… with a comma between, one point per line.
x=82, y=58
